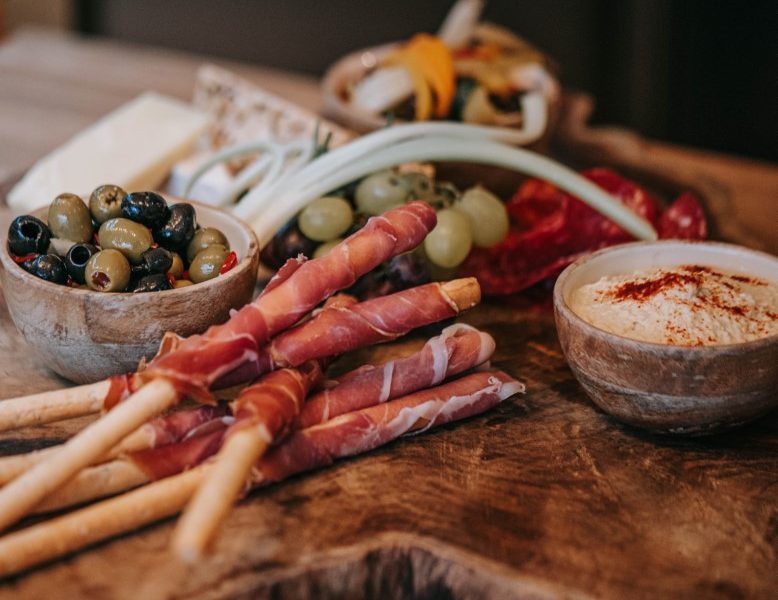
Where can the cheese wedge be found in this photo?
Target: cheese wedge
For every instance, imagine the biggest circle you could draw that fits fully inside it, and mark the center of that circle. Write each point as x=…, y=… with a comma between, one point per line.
x=134, y=147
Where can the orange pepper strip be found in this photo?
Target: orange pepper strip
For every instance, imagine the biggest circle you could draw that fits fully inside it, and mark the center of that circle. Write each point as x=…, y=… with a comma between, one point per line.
x=437, y=65
x=421, y=89
x=430, y=65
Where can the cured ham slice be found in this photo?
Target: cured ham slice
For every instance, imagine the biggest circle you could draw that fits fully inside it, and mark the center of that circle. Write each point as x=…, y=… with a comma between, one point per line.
x=458, y=348
x=368, y=428
x=201, y=360
x=345, y=328
x=350, y=433
x=274, y=403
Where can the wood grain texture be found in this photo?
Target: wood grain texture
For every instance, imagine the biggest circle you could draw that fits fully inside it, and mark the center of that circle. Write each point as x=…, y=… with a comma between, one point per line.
x=542, y=497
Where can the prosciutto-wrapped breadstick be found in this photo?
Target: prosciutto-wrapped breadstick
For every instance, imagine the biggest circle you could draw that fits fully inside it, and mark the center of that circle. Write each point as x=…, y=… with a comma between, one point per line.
x=160, y=431
x=265, y=413
x=368, y=428
x=314, y=447
x=202, y=360
x=458, y=348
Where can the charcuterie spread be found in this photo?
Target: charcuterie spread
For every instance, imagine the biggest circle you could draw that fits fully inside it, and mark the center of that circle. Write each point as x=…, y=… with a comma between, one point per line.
x=362, y=240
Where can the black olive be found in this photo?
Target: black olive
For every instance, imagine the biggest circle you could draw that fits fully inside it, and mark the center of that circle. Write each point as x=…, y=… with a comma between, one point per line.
x=153, y=283
x=147, y=208
x=76, y=259
x=49, y=267
x=157, y=260
x=179, y=228
x=28, y=235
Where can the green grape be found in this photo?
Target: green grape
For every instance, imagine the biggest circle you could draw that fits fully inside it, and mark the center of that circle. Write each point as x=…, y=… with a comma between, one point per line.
x=419, y=186
x=379, y=192
x=326, y=247
x=487, y=215
x=326, y=218
x=449, y=243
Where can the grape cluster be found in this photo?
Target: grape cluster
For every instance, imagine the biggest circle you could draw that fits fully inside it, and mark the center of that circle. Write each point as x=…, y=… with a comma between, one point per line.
x=475, y=217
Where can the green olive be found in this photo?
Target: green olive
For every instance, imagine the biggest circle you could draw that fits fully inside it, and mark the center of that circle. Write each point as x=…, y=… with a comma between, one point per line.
x=107, y=271
x=106, y=203
x=207, y=236
x=130, y=238
x=179, y=283
x=177, y=269
x=69, y=219
x=207, y=263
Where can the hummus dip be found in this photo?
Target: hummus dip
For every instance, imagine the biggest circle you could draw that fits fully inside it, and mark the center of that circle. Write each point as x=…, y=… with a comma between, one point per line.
x=688, y=305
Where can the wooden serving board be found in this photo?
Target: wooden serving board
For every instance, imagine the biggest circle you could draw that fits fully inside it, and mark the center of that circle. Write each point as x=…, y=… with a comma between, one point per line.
x=543, y=497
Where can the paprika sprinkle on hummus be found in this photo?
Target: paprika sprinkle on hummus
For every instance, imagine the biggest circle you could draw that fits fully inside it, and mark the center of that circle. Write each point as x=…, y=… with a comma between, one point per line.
x=690, y=305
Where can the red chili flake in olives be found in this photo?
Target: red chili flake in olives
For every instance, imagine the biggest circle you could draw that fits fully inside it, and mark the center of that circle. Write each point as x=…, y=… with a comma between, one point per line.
x=232, y=260
x=171, y=279
x=20, y=259
x=185, y=275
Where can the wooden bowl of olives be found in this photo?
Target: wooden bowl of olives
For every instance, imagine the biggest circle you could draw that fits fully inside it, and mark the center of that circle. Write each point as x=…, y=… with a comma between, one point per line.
x=93, y=286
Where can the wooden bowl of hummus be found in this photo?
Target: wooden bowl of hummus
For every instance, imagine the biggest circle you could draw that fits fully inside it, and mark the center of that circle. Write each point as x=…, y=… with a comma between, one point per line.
x=675, y=337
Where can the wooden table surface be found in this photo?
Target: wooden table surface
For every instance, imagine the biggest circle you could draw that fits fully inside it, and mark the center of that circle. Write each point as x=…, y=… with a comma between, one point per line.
x=543, y=497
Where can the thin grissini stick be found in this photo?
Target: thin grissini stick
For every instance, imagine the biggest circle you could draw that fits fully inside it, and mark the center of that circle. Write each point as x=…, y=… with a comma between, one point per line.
x=52, y=406
x=338, y=330
x=110, y=478
x=201, y=360
x=214, y=497
x=265, y=413
x=306, y=449
x=151, y=464
x=459, y=347
x=343, y=327
x=62, y=535
x=183, y=452
x=368, y=428
x=22, y=494
x=168, y=429
x=356, y=325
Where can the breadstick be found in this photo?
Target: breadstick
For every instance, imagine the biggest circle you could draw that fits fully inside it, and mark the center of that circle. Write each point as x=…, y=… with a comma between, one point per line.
x=14, y=465
x=95, y=482
x=56, y=405
x=57, y=537
x=213, y=500
x=23, y=493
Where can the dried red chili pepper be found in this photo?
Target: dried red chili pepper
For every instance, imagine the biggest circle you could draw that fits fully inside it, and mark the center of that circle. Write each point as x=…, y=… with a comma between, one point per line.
x=232, y=260
x=551, y=229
